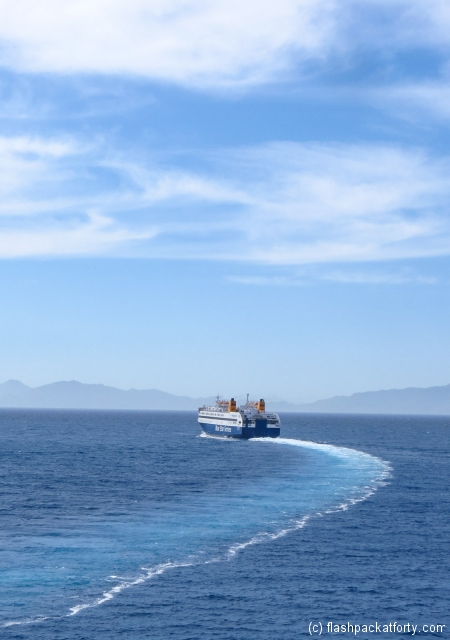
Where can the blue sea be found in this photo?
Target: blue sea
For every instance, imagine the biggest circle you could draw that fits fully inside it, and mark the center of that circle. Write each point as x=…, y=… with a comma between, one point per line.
x=133, y=525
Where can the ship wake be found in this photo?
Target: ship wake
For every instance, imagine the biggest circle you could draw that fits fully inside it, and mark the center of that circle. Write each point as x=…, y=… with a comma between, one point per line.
x=214, y=529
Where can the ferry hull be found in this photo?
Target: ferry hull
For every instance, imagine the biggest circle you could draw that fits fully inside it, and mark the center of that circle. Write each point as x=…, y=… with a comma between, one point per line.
x=260, y=430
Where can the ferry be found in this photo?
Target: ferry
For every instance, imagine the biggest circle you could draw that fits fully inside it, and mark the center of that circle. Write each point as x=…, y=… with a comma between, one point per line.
x=250, y=420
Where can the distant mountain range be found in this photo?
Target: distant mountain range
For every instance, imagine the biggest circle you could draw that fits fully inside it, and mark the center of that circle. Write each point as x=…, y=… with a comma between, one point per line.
x=76, y=395
x=414, y=400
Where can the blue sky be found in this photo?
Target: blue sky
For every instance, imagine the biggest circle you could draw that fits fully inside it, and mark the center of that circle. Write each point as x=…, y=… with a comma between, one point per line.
x=225, y=196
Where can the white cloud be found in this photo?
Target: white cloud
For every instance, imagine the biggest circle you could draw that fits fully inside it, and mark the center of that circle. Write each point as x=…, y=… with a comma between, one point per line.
x=414, y=100
x=316, y=203
x=96, y=235
x=27, y=161
x=45, y=204
x=264, y=281
x=278, y=204
x=423, y=21
x=210, y=43
x=186, y=41
x=395, y=24
x=327, y=274
x=377, y=277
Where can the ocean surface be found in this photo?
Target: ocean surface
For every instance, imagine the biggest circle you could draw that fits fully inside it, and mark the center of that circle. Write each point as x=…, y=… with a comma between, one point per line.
x=132, y=525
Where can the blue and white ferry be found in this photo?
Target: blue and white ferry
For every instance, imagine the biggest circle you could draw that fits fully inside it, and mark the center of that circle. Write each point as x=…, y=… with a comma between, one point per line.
x=247, y=421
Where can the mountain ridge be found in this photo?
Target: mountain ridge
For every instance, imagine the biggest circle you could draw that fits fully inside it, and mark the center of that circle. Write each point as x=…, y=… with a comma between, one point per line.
x=77, y=395
x=412, y=400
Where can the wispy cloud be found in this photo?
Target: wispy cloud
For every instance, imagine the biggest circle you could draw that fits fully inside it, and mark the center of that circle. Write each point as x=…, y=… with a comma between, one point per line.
x=349, y=275
x=211, y=43
x=50, y=194
x=413, y=101
x=267, y=281
x=377, y=277
x=95, y=235
x=395, y=25
x=318, y=203
x=279, y=204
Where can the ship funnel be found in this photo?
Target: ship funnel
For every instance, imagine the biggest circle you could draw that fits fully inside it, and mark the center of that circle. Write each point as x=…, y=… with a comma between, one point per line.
x=232, y=405
x=261, y=406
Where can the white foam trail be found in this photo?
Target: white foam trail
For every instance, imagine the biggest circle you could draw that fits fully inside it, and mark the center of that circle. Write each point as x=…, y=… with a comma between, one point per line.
x=12, y=623
x=221, y=438
x=341, y=452
x=337, y=451
x=263, y=537
x=150, y=573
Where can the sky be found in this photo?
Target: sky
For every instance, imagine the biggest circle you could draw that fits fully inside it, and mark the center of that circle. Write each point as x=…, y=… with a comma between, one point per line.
x=230, y=197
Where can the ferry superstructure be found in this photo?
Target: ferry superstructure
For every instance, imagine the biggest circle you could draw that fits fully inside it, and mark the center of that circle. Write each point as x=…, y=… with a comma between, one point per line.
x=247, y=421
